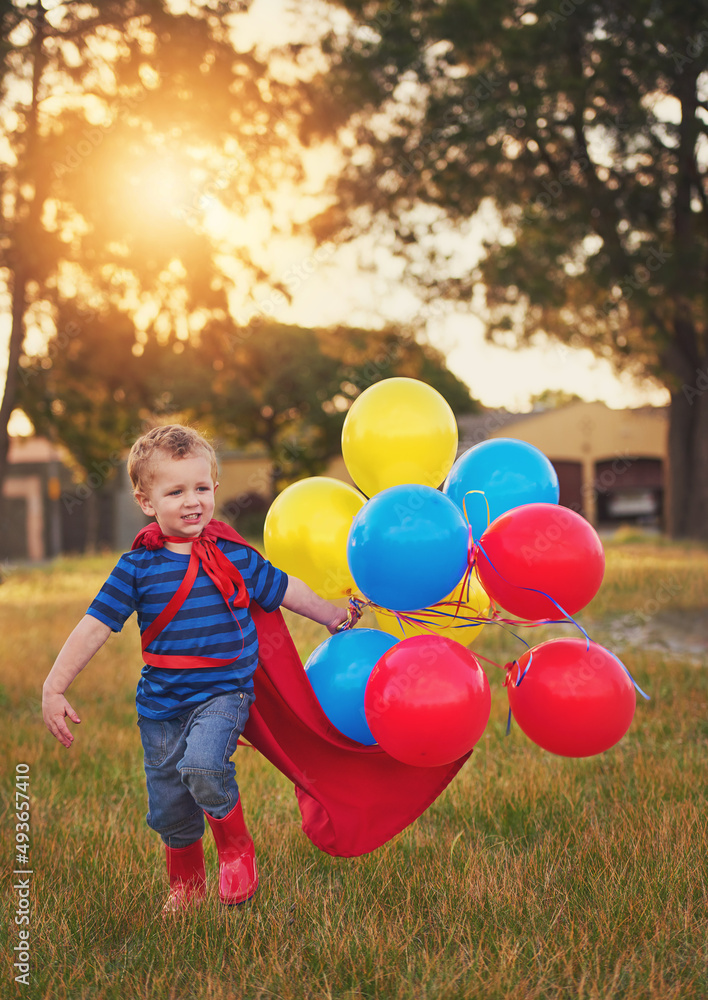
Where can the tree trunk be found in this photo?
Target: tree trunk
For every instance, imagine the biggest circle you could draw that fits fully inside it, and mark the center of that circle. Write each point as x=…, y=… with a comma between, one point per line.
x=17, y=335
x=688, y=458
x=27, y=220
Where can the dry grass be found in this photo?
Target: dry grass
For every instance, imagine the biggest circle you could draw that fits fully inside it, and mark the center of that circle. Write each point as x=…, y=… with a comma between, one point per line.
x=532, y=876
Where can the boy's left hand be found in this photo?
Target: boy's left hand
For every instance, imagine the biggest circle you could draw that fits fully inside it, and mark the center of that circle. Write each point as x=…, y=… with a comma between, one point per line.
x=349, y=617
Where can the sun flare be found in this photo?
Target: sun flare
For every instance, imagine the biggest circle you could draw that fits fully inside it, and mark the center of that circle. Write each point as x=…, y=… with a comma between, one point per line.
x=159, y=187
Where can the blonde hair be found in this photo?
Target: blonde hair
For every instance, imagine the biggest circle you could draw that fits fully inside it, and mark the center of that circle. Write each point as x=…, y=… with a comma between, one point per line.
x=172, y=440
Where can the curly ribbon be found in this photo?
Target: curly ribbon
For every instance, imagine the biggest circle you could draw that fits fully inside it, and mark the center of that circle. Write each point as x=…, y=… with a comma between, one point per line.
x=354, y=612
x=471, y=545
x=464, y=505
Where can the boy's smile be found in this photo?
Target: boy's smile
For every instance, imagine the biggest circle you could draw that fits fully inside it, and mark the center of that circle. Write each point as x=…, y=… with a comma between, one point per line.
x=180, y=496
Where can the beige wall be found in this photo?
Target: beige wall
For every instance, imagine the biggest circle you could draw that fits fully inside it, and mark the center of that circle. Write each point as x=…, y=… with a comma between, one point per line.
x=36, y=451
x=243, y=473
x=32, y=449
x=338, y=470
x=590, y=433
x=29, y=489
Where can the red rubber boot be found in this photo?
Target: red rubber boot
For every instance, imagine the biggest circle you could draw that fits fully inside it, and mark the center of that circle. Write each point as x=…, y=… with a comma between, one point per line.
x=185, y=867
x=238, y=873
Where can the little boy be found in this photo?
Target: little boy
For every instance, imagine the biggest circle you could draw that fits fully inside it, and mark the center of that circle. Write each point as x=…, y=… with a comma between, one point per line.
x=191, y=587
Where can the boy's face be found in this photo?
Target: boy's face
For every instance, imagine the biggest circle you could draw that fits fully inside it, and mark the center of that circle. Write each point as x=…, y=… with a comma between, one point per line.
x=180, y=495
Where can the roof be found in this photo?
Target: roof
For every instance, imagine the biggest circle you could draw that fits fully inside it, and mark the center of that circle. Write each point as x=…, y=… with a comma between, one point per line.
x=476, y=427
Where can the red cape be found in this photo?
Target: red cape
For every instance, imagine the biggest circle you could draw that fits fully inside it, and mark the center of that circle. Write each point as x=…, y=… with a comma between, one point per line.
x=352, y=798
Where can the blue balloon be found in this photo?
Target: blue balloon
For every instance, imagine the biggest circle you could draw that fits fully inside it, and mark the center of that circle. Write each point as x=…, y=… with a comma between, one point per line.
x=510, y=473
x=407, y=547
x=338, y=671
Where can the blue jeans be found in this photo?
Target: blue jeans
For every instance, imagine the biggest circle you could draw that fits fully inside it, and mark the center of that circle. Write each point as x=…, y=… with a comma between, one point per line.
x=188, y=766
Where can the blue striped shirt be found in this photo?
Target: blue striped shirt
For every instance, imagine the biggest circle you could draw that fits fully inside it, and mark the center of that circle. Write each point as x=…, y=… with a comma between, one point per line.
x=144, y=581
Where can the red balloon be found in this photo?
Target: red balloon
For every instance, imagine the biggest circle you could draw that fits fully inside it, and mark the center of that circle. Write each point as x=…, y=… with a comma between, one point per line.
x=427, y=701
x=572, y=701
x=544, y=547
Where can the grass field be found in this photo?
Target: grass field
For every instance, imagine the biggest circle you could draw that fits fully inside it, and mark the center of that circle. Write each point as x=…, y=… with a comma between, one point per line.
x=532, y=876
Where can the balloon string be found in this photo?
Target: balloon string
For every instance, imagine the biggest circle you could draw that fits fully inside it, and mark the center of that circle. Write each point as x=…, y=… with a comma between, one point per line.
x=464, y=506
x=646, y=696
x=435, y=616
x=471, y=547
x=567, y=618
x=520, y=678
x=535, y=590
x=493, y=663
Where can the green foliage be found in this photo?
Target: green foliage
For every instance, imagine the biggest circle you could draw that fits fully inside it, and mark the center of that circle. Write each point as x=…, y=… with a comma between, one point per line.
x=552, y=399
x=288, y=388
x=90, y=391
x=282, y=388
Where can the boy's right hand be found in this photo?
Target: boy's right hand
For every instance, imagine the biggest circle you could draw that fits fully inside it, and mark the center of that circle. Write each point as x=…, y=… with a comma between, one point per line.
x=55, y=708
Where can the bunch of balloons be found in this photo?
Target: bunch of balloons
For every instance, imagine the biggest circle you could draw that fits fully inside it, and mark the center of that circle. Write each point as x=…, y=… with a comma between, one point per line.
x=430, y=542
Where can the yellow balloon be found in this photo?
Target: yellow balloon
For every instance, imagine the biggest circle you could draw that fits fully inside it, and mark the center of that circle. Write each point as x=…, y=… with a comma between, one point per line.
x=452, y=628
x=306, y=531
x=400, y=430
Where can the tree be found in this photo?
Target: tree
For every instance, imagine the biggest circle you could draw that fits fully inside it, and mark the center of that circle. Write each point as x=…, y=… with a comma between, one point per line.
x=125, y=125
x=283, y=388
x=553, y=399
x=94, y=395
x=585, y=123
x=288, y=388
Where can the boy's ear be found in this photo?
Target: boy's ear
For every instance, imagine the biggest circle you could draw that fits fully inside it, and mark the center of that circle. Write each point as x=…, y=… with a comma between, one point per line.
x=145, y=505
x=216, y=485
